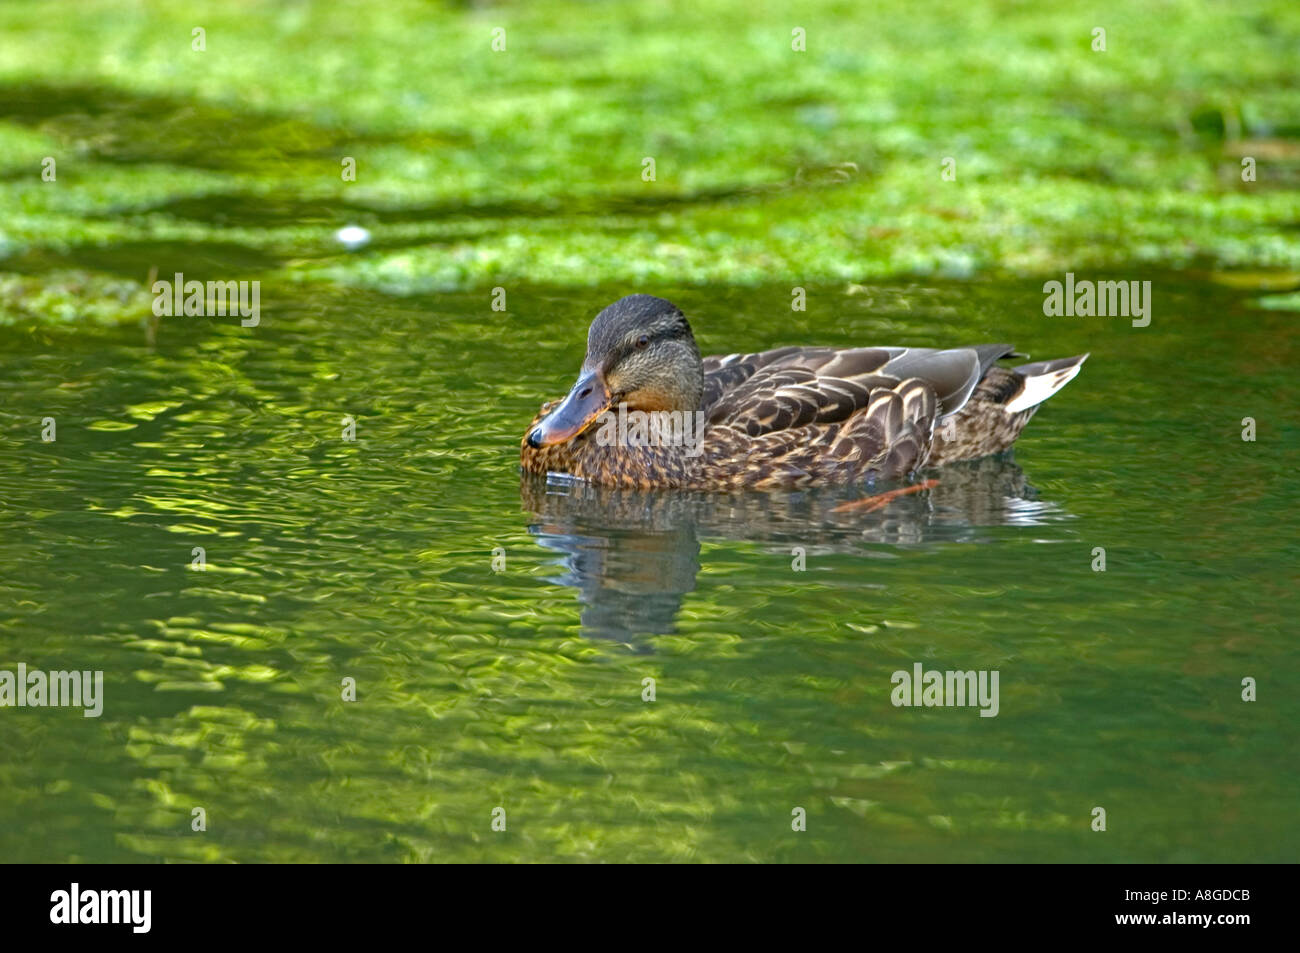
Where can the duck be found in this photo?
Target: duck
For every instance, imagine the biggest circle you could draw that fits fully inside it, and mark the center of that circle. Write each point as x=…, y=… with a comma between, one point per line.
x=648, y=412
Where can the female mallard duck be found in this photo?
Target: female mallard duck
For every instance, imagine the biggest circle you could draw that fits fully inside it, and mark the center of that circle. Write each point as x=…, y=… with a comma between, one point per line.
x=791, y=417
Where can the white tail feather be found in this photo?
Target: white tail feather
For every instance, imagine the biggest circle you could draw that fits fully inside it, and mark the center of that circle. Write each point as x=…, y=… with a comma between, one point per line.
x=1042, y=381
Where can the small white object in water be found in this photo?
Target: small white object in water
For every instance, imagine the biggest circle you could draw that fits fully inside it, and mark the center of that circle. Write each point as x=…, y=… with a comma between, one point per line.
x=353, y=236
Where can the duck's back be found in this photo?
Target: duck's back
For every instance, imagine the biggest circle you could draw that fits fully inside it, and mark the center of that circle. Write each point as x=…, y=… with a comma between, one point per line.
x=789, y=386
x=806, y=415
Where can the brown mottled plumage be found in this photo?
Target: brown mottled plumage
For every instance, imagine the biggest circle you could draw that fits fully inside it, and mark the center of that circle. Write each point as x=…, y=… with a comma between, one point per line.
x=790, y=417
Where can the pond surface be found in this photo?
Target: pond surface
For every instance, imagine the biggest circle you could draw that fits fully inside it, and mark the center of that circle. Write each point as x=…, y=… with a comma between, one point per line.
x=519, y=685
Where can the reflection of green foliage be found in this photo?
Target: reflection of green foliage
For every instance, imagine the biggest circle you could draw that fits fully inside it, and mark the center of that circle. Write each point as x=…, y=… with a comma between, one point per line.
x=477, y=167
x=478, y=689
x=59, y=296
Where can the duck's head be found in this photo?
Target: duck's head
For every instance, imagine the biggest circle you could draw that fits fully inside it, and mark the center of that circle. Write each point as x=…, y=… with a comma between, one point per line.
x=640, y=352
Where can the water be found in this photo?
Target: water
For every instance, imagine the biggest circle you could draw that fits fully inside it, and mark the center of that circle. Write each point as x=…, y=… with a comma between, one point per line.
x=522, y=689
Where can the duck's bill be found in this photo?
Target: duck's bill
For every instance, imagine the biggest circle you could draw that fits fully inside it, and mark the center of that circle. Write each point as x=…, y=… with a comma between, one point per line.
x=587, y=401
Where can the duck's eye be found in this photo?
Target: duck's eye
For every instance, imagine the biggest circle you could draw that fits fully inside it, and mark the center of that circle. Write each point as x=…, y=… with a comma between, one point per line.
x=642, y=341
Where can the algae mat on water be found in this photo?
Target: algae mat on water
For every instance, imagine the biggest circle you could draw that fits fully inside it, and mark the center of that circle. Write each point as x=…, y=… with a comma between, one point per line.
x=476, y=167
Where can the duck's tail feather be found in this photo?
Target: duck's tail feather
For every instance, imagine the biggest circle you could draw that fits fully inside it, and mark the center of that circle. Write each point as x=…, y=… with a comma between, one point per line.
x=1041, y=380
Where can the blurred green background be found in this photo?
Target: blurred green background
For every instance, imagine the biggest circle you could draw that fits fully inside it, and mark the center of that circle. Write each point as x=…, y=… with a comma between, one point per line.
x=477, y=168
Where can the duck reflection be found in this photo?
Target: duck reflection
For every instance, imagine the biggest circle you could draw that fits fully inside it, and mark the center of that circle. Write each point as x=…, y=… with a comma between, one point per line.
x=633, y=555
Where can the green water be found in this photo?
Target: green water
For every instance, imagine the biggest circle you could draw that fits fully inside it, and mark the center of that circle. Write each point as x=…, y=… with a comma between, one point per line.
x=519, y=685
x=522, y=688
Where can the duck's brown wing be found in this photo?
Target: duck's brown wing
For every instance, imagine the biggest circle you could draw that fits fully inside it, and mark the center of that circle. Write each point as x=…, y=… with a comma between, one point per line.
x=795, y=386
x=800, y=416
